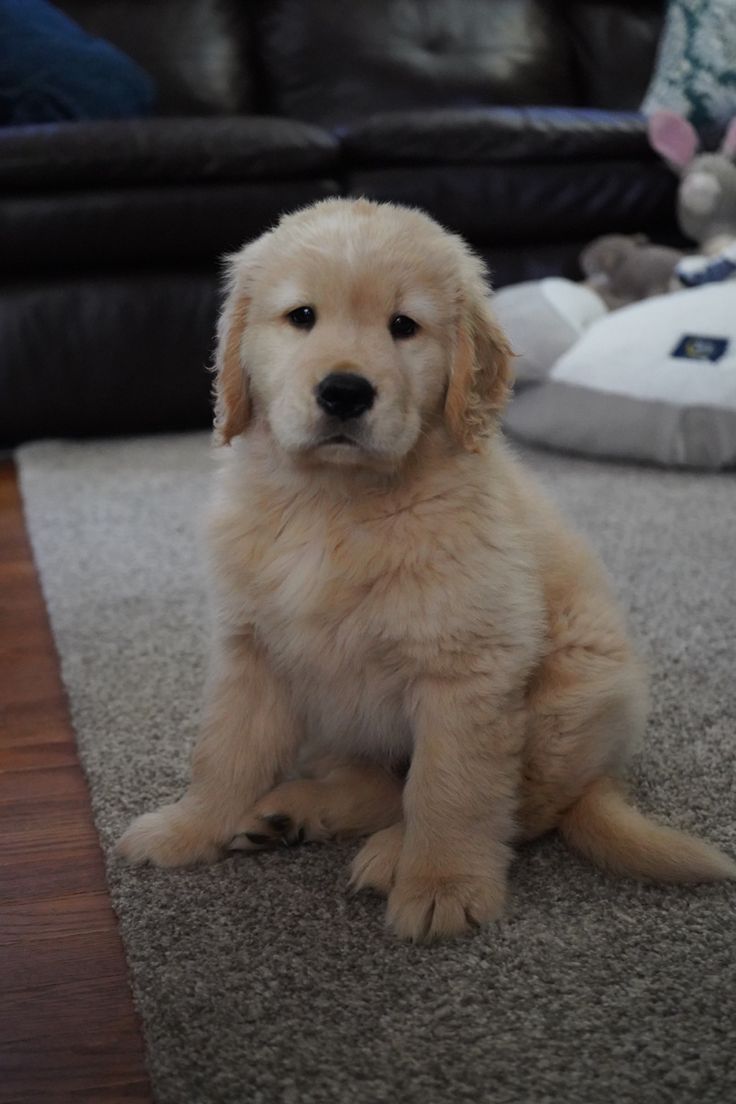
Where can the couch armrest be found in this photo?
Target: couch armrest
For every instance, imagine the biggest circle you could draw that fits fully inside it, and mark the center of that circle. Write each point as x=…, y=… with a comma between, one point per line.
x=161, y=150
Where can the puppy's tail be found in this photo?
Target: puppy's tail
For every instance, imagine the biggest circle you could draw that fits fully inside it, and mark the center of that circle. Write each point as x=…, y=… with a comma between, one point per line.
x=606, y=829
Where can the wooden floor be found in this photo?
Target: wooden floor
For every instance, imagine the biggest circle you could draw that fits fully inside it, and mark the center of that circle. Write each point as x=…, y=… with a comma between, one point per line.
x=68, y=1031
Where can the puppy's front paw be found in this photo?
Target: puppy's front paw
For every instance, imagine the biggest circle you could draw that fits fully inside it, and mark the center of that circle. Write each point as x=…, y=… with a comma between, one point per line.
x=435, y=905
x=374, y=867
x=174, y=835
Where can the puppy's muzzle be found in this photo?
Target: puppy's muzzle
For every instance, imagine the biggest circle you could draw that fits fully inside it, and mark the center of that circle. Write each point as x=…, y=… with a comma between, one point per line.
x=345, y=395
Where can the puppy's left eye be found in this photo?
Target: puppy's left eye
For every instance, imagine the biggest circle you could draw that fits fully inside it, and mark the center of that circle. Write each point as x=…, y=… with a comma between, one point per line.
x=402, y=326
x=303, y=317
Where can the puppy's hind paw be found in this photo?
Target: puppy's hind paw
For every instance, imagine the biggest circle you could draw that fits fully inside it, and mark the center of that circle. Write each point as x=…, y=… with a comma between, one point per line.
x=290, y=814
x=268, y=832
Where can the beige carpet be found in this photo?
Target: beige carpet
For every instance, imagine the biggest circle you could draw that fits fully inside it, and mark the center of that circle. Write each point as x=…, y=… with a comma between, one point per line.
x=259, y=980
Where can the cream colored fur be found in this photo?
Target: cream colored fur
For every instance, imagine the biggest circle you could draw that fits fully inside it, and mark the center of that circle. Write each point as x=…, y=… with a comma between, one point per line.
x=410, y=597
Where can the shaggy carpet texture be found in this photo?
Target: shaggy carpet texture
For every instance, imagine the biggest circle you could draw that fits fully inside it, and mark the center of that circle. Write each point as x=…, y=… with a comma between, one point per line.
x=260, y=979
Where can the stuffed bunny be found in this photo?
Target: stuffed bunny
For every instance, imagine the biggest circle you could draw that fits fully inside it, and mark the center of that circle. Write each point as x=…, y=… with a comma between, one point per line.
x=706, y=199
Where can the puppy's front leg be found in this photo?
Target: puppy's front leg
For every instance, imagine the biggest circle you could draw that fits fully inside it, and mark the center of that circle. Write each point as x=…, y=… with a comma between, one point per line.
x=459, y=801
x=249, y=734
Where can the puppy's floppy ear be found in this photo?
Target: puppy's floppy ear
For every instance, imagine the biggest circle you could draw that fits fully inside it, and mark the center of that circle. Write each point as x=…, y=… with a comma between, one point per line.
x=480, y=375
x=232, y=405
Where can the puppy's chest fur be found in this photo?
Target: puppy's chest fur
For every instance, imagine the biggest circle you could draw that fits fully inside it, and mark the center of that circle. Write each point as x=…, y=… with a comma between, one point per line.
x=354, y=602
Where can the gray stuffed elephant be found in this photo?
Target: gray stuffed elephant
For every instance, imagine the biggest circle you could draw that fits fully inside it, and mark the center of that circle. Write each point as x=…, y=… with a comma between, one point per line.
x=624, y=268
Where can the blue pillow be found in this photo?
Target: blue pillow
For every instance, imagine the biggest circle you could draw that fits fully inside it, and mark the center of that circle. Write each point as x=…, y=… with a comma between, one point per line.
x=51, y=70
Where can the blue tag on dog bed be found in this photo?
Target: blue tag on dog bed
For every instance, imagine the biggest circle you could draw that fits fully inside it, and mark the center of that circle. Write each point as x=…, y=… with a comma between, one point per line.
x=698, y=347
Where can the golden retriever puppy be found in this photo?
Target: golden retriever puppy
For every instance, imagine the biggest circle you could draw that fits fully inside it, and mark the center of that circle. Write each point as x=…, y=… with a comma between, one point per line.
x=392, y=591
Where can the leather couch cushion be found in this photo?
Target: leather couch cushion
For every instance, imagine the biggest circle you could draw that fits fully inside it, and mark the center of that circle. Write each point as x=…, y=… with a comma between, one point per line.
x=132, y=361
x=138, y=151
x=331, y=62
x=521, y=204
x=197, y=51
x=145, y=226
x=477, y=136
x=615, y=45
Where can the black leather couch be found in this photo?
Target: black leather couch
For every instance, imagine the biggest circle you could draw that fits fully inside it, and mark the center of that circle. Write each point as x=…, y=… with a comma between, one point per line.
x=511, y=121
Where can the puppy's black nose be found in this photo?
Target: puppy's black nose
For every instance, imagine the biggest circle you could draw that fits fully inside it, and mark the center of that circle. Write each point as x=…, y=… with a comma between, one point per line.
x=345, y=395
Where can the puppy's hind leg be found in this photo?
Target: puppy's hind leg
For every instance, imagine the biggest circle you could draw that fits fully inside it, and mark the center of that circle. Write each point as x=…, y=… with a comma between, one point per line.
x=583, y=718
x=586, y=713
x=349, y=800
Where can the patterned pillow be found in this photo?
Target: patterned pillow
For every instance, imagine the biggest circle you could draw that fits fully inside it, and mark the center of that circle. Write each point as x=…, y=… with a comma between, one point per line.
x=695, y=74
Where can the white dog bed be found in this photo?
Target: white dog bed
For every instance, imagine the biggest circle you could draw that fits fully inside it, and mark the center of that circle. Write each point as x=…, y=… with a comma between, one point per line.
x=655, y=381
x=542, y=319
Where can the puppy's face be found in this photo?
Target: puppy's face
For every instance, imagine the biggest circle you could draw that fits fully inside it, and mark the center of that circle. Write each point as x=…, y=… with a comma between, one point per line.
x=350, y=328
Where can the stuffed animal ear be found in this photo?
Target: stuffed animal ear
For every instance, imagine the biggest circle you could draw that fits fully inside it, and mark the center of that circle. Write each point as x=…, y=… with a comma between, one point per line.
x=673, y=137
x=480, y=374
x=604, y=254
x=728, y=145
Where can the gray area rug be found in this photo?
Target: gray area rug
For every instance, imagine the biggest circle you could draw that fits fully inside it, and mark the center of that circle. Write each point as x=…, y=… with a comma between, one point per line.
x=259, y=979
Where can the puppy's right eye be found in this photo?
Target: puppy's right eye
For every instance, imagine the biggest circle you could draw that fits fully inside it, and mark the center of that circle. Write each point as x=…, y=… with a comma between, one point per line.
x=303, y=318
x=402, y=326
